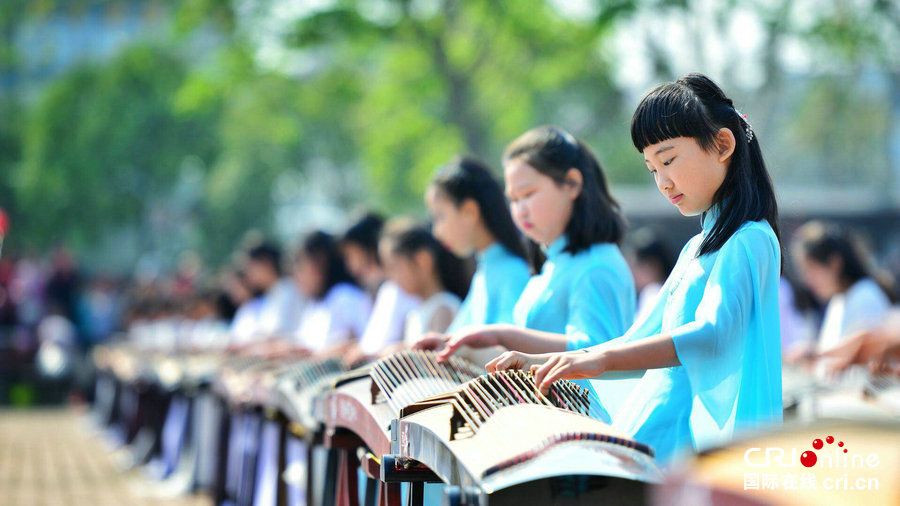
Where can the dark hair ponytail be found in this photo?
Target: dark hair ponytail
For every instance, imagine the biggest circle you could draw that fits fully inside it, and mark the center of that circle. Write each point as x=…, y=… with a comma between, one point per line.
x=694, y=106
x=552, y=151
x=469, y=178
x=455, y=274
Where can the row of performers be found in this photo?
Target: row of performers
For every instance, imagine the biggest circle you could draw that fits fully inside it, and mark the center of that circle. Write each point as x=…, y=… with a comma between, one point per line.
x=699, y=365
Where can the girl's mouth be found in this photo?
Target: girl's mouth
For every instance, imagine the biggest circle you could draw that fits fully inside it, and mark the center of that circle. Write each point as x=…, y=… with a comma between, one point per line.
x=676, y=199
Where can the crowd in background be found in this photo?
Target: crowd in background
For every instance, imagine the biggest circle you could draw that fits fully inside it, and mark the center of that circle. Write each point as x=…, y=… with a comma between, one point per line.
x=832, y=290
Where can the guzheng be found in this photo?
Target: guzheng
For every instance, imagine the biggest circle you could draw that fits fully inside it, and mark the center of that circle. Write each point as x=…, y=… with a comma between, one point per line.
x=362, y=404
x=237, y=375
x=296, y=389
x=497, y=438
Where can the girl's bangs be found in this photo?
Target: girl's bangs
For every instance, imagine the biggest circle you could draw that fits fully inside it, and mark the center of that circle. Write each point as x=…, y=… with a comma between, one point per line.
x=666, y=113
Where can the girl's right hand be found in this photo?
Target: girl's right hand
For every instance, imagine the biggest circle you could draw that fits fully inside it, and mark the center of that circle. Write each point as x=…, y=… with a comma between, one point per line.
x=517, y=360
x=481, y=336
x=431, y=341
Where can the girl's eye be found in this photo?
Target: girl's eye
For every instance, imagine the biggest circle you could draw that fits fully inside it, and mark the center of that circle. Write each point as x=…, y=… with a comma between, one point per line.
x=666, y=163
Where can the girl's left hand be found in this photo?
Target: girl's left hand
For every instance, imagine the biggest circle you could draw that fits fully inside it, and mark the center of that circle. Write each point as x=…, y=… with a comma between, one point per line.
x=568, y=365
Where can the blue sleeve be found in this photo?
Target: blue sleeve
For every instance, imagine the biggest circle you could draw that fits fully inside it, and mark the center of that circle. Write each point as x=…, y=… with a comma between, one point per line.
x=597, y=311
x=463, y=317
x=712, y=347
x=512, y=284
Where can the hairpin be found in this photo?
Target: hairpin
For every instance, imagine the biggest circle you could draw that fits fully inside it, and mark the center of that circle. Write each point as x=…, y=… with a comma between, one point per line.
x=568, y=138
x=748, y=129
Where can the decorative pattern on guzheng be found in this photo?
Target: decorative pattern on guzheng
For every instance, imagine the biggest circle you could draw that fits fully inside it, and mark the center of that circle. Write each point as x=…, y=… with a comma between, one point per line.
x=366, y=400
x=498, y=431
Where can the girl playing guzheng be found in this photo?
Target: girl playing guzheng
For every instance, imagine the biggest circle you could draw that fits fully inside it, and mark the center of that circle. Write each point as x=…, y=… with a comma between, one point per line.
x=710, y=345
x=584, y=293
x=469, y=215
x=422, y=267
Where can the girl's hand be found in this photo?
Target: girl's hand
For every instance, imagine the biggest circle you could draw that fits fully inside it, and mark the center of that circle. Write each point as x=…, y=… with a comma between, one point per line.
x=516, y=360
x=431, y=341
x=474, y=337
x=569, y=365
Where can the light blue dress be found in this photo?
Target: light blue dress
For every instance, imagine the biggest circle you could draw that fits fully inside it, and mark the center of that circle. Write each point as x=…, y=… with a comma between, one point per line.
x=722, y=312
x=588, y=296
x=496, y=285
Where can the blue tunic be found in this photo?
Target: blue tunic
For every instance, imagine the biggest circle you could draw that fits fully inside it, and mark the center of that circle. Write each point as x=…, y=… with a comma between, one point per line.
x=722, y=312
x=498, y=281
x=588, y=296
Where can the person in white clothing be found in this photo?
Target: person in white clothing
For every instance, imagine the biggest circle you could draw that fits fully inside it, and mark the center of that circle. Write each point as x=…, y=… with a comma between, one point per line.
x=338, y=310
x=385, y=326
x=423, y=267
x=840, y=273
x=276, y=304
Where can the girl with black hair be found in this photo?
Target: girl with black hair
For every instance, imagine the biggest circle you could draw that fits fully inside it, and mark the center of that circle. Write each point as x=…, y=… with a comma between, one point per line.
x=422, y=267
x=470, y=215
x=709, y=351
x=840, y=273
x=337, y=309
x=584, y=292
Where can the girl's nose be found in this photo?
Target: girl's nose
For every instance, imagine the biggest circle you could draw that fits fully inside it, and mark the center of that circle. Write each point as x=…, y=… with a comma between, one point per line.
x=520, y=211
x=663, y=182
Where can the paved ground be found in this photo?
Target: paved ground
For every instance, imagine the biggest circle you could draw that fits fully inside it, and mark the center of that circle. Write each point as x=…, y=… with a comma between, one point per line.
x=49, y=458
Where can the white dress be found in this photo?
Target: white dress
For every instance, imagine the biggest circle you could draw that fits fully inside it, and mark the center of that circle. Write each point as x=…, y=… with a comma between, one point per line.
x=341, y=315
x=385, y=327
x=419, y=320
x=861, y=307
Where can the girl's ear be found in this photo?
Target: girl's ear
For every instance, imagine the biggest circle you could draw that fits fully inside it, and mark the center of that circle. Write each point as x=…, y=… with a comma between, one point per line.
x=573, y=182
x=726, y=143
x=469, y=209
x=424, y=260
x=836, y=265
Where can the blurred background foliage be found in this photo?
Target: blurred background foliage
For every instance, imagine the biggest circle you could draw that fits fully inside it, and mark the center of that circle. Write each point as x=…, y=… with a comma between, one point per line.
x=131, y=128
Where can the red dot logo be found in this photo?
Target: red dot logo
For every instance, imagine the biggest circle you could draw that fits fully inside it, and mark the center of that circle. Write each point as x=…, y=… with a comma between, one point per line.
x=817, y=444
x=808, y=458
x=829, y=439
x=841, y=443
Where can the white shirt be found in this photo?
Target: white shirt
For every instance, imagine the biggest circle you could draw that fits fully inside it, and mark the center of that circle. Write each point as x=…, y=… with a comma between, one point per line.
x=340, y=315
x=276, y=313
x=419, y=320
x=861, y=307
x=385, y=327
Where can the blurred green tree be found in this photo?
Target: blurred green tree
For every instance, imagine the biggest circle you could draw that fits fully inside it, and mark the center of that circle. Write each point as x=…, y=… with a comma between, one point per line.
x=104, y=145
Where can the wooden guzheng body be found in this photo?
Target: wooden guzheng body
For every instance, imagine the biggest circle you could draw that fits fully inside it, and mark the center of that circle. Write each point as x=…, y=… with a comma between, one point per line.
x=296, y=390
x=497, y=437
x=360, y=407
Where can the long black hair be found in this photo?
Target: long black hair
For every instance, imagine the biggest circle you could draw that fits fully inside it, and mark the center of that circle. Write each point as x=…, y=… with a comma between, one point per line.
x=454, y=273
x=364, y=233
x=466, y=178
x=552, y=151
x=822, y=241
x=321, y=248
x=695, y=107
